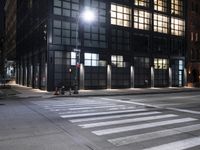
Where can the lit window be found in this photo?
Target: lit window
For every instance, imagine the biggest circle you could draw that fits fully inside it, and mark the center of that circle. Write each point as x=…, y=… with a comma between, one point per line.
x=177, y=27
x=192, y=36
x=196, y=37
x=92, y=59
x=160, y=23
x=144, y=3
x=117, y=61
x=160, y=5
x=141, y=20
x=161, y=63
x=177, y=7
x=120, y=15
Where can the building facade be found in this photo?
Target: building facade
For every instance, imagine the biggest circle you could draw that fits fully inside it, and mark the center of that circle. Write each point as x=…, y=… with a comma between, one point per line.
x=2, y=37
x=131, y=43
x=193, y=66
x=10, y=37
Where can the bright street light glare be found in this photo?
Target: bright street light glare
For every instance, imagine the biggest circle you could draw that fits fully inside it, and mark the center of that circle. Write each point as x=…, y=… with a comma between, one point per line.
x=88, y=15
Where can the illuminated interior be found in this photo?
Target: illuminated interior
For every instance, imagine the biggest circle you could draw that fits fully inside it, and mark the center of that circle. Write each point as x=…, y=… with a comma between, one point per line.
x=141, y=19
x=160, y=23
x=177, y=7
x=177, y=27
x=144, y=3
x=161, y=63
x=160, y=5
x=121, y=15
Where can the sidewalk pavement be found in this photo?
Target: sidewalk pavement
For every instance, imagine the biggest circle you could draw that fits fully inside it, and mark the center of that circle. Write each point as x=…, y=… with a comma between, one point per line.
x=27, y=92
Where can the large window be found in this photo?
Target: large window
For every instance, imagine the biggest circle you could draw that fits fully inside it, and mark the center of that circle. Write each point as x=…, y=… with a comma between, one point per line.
x=120, y=40
x=177, y=7
x=160, y=5
x=141, y=42
x=117, y=61
x=161, y=64
x=95, y=36
x=177, y=27
x=69, y=8
x=64, y=32
x=121, y=15
x=144, y=3
x=92, y=59
x=160, y=23
x=141, y=19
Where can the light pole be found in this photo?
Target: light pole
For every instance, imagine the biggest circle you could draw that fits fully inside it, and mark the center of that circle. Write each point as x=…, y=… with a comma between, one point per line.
x=87, y=16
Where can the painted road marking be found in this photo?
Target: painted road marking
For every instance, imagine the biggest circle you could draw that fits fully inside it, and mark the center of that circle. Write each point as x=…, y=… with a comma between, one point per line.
x=153, y=135
x=132, y=120
x=114, y=116
x=101, y=113
x=178, y=145
x=141, y=126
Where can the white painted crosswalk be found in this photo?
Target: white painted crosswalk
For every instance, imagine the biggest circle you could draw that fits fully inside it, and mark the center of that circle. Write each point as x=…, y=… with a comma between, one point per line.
x=106, y=123
x=141, y=126
x=153, y=135
x=122, y=124
x=178, y=145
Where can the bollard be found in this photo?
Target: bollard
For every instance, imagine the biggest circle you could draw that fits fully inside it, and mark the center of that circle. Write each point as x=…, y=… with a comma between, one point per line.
x=62, y=90
x=70, y=91
x=56, y=91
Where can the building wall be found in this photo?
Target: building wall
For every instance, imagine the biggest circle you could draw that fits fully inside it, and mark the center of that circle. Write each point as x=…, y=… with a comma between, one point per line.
x=10, y=29
x=193, y=43
x=32, y=18
x=130, y=44
x=2, y=36
x=121, y=44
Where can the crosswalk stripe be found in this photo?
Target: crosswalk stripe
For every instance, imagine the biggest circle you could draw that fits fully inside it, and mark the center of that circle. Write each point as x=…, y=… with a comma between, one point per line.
x=96, y=107
x=66, y=112
x=101, y=113
x=88, y=109
x=77, y=105
x=132, y=120
x=153, y=135
x=114, y=116
x=178, y=145
x=141, y=126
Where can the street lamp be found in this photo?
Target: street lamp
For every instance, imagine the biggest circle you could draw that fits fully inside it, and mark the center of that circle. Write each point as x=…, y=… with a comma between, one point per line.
x=88, y=16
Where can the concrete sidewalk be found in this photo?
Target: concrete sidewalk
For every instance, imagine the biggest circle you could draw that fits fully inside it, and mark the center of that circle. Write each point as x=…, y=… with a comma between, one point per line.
x=27, y=92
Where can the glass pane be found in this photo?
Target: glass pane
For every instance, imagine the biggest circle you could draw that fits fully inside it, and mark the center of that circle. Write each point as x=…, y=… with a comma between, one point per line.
x=88, y=55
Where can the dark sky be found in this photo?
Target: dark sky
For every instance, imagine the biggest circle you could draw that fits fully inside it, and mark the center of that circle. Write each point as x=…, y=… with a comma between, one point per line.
x=2, y=3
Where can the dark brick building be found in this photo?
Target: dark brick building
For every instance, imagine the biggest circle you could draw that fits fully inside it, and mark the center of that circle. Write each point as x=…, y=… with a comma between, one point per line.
x=193, y=39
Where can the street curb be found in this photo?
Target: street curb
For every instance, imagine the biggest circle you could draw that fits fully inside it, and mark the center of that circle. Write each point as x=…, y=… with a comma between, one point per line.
x=121, y=94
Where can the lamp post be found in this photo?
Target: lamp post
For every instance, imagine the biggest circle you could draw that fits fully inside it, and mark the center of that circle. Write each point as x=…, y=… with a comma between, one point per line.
x=87, y=16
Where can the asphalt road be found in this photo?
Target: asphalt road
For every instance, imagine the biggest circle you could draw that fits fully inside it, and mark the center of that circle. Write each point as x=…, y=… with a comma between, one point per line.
x=148, y=122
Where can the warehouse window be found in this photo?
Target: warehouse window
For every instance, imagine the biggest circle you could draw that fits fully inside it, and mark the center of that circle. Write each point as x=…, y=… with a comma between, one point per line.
x=161, y=63
x=177, y=27
x=160, y=23
x=120, y=15
x=177, y=7
x=117, y=61
x=141, y=19
x=144, y=3
x=160, y=5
